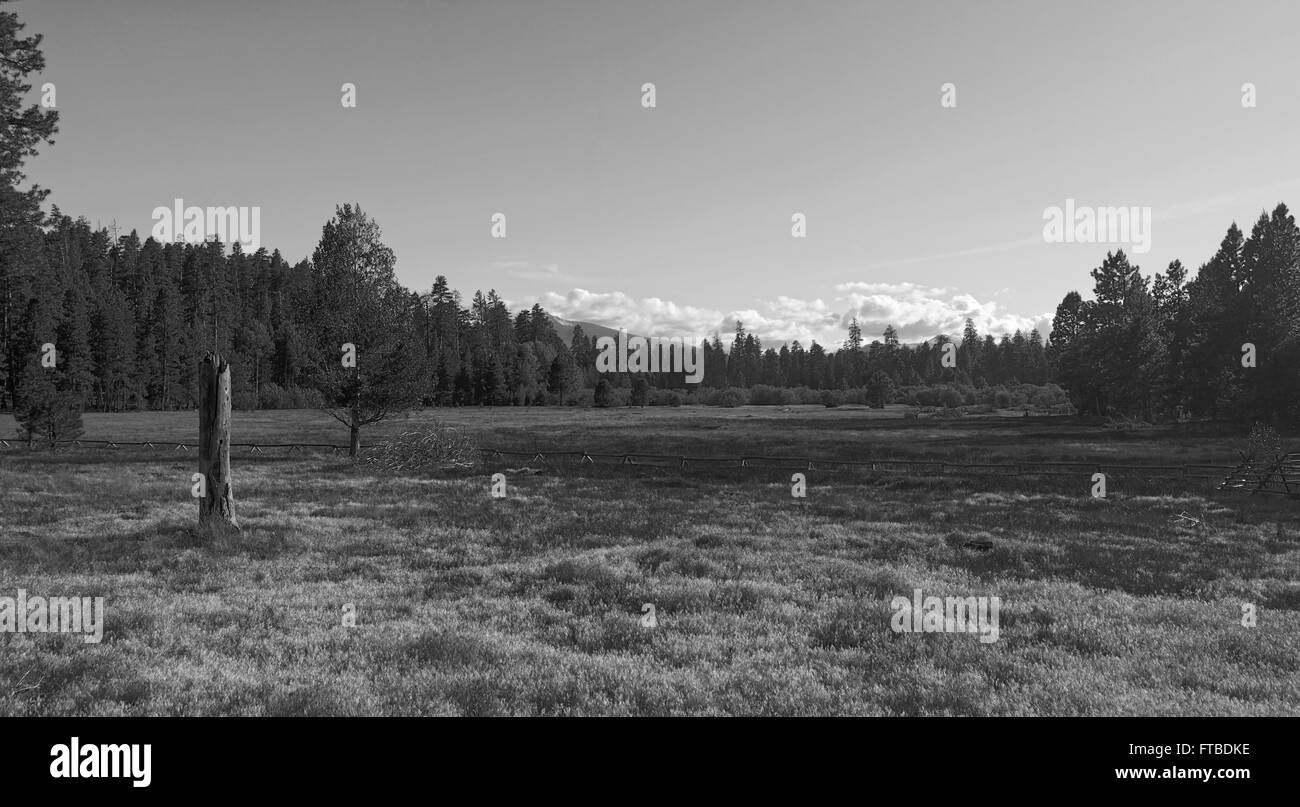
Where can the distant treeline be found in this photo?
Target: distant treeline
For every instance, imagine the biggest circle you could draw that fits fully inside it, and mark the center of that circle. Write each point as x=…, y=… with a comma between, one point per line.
x=130, y=319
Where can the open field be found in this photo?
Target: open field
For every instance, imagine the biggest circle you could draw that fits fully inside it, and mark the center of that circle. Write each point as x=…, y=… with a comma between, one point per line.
x=531, y=604
x=848, y=432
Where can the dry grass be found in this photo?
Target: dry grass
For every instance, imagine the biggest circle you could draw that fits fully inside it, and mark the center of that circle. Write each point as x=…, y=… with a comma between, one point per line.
x=531, y=604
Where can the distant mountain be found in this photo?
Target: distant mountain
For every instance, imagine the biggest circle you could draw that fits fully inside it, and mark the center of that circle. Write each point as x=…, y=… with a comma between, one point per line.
x=564, y=329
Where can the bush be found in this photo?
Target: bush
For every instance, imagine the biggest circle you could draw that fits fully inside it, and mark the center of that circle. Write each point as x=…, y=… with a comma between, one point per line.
x=1048, y=396
x=1263, y=443
x=665, y=397
x=857, y=395
x=620, y=396
x=273, y=396
x=941, y=396
x=730, y=397
x=640, y=393
x=924, y=396
x=243, y=398
x=805, y=395
x=763, y=395
x=49, y=416
x=880, y=390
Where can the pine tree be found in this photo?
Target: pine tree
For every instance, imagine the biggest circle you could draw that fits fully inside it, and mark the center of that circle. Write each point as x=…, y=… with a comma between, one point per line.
x=603, y=394
x=1215, y=313
x=968, y=355
x=166, y=351
x=25, y=127
x=640, y=391
x=113, y=335
x=880, y=389
x=46, y=413
x=360, y=298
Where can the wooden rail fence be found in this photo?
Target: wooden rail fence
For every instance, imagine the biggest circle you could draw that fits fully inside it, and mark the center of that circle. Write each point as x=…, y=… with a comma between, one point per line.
x=882, y=464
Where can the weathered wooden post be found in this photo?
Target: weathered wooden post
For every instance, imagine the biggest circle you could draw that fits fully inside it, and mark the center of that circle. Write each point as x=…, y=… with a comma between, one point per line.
x=217, y=508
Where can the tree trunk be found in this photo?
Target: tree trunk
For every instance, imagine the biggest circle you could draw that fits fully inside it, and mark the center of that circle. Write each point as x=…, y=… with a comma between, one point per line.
x=354, y=442
x=217, y=508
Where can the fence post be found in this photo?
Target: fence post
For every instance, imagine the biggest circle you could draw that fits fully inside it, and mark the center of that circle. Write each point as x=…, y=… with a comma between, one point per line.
x=217, y=508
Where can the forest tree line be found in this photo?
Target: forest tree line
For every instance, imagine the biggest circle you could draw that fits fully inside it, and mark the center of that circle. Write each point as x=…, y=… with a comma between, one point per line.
x=129, y=320
x=1224, y=344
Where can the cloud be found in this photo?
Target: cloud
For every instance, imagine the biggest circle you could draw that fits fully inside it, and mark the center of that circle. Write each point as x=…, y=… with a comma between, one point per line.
x=526, y=270
x=887, y=288
x=917, y=312
x=1226, y=201
x=1004, y=246
x=649, y=316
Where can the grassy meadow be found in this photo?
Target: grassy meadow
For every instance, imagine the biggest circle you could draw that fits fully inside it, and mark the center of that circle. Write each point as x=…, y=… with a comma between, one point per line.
x=531, y=604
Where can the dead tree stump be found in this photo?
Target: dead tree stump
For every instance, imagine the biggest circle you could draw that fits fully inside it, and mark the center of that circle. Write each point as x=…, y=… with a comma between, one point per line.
x=217, y=508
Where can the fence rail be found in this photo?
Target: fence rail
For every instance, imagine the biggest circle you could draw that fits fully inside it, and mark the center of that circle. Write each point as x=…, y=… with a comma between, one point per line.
x=682, y=461
x=253, y=448
x=1024, y=468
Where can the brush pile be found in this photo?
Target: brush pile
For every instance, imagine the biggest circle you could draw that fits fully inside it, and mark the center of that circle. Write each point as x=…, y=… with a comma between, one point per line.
x=431, y=448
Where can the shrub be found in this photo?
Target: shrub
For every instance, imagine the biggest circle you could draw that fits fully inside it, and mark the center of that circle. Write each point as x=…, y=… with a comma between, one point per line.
x=1048, y=396
x=907, y=395
x=665, y=397
x=731, y=397
x=273, y=396
x=640, y=392
x=857, y=395
x=928, y=396
x=1263, y=443
x=880, y=389
x=270, y=396
x=764, y=395
x=620, y=396
x=243, y=398
x=48, y=415
x=805, y=395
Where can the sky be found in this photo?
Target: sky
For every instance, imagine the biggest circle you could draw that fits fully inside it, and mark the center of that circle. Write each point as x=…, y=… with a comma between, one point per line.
x=676, y=220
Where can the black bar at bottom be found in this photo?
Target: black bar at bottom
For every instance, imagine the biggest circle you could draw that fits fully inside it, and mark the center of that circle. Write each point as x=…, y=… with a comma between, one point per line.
x=334, y=756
